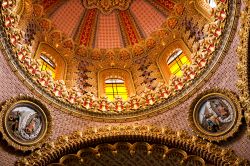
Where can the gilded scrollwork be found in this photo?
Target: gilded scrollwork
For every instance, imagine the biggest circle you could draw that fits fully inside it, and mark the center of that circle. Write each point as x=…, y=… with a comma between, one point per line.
x=107, y=6
x=180, y=142
x=25, y=122
x=243, y=65
x=215, y=114
x=73, y=99
x=126, y=152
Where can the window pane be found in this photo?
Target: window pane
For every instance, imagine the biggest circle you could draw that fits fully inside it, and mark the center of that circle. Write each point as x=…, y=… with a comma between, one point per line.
x=175, y=67
x=45, y=66
x=115, y=87
x=177, y=63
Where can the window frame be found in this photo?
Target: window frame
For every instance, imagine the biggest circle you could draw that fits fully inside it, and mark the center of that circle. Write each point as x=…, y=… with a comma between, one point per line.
x=115, y=88
x=55, y=56
x=167, y=52
x=122, y=74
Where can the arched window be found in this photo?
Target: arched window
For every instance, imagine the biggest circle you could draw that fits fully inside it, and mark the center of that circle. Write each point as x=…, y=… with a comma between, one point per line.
x=115, y=87
x=176, y=61
x=114, y=82
x=204, y=7
x=51, y=61
x=171, y=60
x=47, y=64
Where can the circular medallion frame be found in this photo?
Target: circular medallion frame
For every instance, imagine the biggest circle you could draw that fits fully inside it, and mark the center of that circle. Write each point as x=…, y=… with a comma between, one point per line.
x=215, y=114
x=25, y=122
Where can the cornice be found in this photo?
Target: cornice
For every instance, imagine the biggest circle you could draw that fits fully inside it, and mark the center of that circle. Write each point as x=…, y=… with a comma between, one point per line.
x=161, y=105
x=78, y=140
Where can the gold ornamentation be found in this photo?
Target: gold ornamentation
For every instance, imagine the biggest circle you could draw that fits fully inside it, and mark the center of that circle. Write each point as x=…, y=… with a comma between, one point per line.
x=243, y=66
x=107, y=6
x=25, y=122
x=58, y=94
x=215, y=114
x=165, y=137
x=125, y=152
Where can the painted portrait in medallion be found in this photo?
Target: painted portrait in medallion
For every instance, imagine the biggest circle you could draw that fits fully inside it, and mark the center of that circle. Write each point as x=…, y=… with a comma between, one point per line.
x=215, y=114
x=25, y=122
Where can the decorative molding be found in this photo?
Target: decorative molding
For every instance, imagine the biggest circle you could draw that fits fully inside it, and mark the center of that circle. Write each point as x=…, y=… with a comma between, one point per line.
x=130, y=154
x=243, y=67
x=115, y=73
x=31, y=113
x=217, y=124
x=107, y=6
x=129, y=30
x=87, y=28
x=70, y=144
x=51, y=52
x=203, y=7
x=70, y=100
x=168, y=51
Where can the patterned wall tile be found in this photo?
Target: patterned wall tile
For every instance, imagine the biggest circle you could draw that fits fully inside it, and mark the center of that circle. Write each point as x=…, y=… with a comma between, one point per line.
x=149, y=20
x=108, y=33
x=68, y=22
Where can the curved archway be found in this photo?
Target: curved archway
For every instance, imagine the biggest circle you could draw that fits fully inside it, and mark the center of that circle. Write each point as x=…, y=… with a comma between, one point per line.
x=166, y=55
x=205, y=8
x=60, y=63
x=92, y=137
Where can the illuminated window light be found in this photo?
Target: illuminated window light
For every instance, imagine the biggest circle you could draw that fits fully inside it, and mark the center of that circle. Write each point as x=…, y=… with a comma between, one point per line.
x=47, y=65
x=212, y=3
x=176, y=61
x=115, y=87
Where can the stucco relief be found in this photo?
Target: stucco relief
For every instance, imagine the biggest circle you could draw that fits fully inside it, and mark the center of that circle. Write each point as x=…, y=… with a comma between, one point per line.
x=107, y=6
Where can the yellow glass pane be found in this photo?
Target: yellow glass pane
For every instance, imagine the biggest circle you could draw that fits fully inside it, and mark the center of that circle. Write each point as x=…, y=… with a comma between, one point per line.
x=116, y=89
x=46, y=67
x=188, y=62
x=124, y=97
x=110, y=97
x=179, y=73
x=109, y=90
x=184, y=59
x=121, y=89
x=174, y=67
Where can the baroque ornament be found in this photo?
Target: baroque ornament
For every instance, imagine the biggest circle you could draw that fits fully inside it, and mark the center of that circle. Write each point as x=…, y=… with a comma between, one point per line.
x=243, y=66
x=139, y=153
x=107, y=6
x=25, y=122
x=215, y=114
x=204, y=60
x=80, y=142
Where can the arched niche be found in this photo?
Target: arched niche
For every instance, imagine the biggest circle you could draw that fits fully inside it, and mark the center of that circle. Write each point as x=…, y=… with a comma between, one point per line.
x=204, y=8
x=169, y=50
x=55, y=56
x=110, y=73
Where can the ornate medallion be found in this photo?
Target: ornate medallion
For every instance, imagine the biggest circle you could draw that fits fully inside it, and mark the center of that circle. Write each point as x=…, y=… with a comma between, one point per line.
x=215, y=114
x=24, y=122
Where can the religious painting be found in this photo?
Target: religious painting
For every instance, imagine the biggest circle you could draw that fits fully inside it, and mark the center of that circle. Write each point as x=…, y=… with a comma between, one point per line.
x=215, y=114
x=24, y=122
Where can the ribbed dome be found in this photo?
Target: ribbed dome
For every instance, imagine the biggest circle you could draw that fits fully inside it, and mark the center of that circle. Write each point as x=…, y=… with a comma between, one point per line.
x=109, y=24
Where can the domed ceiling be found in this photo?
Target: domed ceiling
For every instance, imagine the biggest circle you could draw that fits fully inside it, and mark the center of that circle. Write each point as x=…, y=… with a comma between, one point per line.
x=109, y=24
x=89, y=41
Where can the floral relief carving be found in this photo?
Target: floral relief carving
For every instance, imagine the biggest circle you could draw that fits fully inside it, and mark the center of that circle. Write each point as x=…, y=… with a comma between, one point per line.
x=68, y=148
x=107, y=6
x=60, y=93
